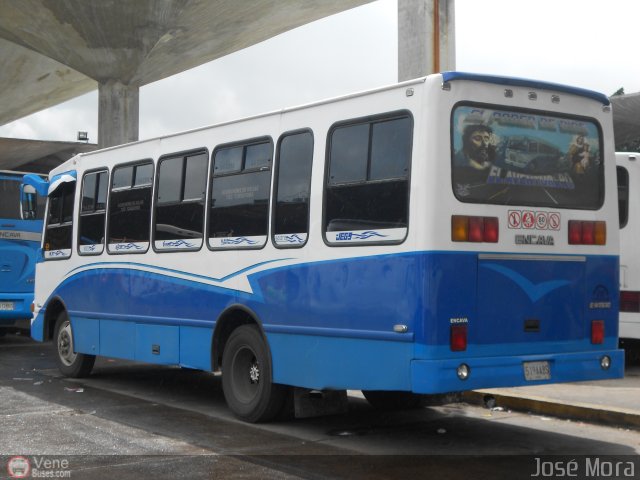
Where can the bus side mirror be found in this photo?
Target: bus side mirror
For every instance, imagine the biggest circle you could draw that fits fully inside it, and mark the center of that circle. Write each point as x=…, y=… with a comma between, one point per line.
x=28, y=202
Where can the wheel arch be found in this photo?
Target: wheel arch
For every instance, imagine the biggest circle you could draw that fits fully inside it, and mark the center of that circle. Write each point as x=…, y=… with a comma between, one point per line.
x=231, y=318
x=55, y=306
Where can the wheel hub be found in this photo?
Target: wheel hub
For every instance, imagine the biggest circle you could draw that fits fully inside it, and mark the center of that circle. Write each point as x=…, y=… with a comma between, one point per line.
x=254, y=373
x=65, y=345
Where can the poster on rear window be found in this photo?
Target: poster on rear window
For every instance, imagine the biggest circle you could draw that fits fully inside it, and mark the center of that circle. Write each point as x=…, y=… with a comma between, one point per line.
x=523, y=158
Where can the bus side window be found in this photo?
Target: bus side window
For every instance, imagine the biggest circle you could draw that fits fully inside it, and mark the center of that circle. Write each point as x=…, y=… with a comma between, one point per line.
x=58, y=234
x=179, y=215
x=130, y=208
x=239, y=210
x=93, y=213
x=367, y=188
x=623, y=196
x=292, y=189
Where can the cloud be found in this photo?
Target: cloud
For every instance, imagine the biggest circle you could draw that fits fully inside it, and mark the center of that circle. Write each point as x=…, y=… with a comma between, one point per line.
x=583, y=43
x=351, y=51
x=60, y=123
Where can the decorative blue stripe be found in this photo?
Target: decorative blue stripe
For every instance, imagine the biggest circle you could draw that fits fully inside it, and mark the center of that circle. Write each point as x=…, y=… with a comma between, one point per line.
x=60, y=179
x=168, y=271
x=534, y=291
x=191, y=322
x=347, y=332
x=522, y=82
x=237, y=241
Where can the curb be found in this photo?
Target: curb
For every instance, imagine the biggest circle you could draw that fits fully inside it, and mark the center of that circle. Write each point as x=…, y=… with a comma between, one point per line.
x=541, y=405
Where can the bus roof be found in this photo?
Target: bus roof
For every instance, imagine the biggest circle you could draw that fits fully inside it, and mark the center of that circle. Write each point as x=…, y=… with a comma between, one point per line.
x=446, y=77
x=523, y=82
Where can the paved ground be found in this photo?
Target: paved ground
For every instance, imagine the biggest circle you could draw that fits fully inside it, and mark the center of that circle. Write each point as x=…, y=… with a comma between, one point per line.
x=612, y=402
x=140, y=421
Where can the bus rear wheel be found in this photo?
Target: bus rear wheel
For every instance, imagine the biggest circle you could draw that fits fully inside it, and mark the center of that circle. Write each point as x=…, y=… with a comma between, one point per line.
x=70, y=363
x=393, y=400
x=247, y=377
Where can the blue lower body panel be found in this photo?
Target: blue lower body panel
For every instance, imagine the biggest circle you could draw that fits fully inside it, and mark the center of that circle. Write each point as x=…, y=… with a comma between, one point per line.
x=439, y=376
x=372, y=323
x=144, y=342
x=320, y=362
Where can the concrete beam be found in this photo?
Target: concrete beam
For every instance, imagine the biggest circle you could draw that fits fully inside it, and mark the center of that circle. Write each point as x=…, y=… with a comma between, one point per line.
x=136, y=42
x=36, y=155
x=426, y=37
x=30, y=82
x=118, y=113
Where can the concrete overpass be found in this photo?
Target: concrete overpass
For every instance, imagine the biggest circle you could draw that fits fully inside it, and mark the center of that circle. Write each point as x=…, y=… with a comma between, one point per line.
x=55, y=50
x=36, y=155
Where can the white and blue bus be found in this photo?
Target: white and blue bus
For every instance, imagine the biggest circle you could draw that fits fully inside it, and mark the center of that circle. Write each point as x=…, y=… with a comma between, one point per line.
x=629, y=198
x=20, y=238
x=450, y=233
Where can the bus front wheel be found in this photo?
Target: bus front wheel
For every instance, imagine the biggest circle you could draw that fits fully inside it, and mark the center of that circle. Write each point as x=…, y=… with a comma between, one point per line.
x=247, y=377
x=70, y=363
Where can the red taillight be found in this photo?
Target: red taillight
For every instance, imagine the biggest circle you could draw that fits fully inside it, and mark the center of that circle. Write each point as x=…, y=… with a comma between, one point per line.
x=476, y=229
x=491, y=230
x=458, y=338
x=597, y=332
x=630, y=301
x=575, y=232
x=587, y=232
x=465, y=228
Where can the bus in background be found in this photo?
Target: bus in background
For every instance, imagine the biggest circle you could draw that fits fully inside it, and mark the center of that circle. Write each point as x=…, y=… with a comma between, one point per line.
x=379, y=242
x=20, y=238
x=629, y=203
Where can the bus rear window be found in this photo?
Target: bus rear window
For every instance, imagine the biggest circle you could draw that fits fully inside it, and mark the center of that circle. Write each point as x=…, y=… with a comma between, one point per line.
x=509, y=157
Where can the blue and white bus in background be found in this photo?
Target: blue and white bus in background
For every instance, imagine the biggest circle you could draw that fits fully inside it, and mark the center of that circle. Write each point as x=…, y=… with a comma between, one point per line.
x=629, y=199
x=379, y=242
x=20, y=238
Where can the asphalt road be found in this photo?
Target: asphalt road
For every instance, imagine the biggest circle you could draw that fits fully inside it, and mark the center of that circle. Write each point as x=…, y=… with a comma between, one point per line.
x=132, y=420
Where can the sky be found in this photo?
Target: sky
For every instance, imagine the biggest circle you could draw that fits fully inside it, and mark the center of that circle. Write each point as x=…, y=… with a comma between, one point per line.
x=583, y=43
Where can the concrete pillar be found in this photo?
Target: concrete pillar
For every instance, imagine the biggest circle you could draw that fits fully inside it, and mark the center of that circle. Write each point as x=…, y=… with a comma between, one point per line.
x=426, y=37
x=118, y=113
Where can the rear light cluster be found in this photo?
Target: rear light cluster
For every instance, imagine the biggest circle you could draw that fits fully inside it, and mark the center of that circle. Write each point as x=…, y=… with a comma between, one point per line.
x=587, y=232
x=629, y=301
x=597, y=332
x=465, y=228
x=458, y=339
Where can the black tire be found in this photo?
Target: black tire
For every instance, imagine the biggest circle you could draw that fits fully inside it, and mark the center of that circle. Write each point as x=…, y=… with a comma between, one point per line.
x=70, y=363
x=393, y=400
x=247, y=377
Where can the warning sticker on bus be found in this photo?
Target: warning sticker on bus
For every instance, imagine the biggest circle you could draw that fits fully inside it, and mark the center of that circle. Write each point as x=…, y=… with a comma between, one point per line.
x=533, y=220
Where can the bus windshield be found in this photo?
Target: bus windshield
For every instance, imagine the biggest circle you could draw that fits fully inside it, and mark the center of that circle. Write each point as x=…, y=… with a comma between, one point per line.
x=519, y=157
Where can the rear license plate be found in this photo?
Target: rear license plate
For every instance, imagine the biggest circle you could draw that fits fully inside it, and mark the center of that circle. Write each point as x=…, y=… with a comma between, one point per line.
x=6, y=306
x=536, y=371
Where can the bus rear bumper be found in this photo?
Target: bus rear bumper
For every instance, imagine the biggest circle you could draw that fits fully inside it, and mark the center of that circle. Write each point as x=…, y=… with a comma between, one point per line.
x=14, y=307
x=441, y=376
